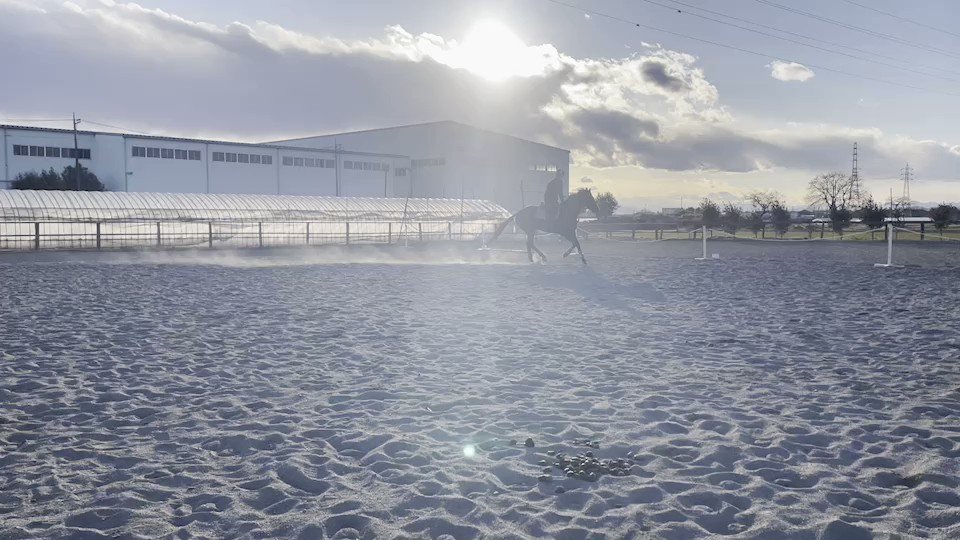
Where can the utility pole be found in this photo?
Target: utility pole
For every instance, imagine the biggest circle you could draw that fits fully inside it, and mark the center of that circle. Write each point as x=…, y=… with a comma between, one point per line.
x=336, y=154
x=76, y=154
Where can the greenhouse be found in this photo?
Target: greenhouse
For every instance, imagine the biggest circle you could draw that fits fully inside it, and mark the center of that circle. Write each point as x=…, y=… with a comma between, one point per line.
x=100, y=220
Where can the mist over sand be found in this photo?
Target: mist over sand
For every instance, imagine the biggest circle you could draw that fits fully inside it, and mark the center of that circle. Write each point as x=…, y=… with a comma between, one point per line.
x=784, y=391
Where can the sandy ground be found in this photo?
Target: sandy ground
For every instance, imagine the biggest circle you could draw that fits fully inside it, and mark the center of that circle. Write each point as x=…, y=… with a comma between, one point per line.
x=785, y=391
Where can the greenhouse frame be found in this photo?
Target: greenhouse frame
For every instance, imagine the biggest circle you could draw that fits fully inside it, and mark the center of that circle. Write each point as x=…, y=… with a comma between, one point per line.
x=32, y=220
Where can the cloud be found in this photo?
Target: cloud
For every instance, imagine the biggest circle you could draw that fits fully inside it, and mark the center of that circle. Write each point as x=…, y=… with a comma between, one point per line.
x=790, y=71
x=656, y=72
x=654, y=108
x=586, y=180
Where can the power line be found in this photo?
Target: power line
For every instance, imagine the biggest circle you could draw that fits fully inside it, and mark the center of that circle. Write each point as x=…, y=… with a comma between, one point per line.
x=905, y=19
x=748, y=51
x=811, y=38
x=865, y=59
x=116, y=127
x=882, y=35
x=34, y=119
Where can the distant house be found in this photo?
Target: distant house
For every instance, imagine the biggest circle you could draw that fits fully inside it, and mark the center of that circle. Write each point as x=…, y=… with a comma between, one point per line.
x=671, y=211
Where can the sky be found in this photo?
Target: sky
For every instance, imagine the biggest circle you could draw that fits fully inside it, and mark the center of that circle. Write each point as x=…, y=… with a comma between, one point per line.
x=659, y=101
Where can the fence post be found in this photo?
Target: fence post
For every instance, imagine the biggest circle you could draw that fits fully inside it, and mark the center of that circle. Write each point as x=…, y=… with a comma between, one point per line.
x=922, y=230
x=389, y=232
x=98, y=235
x=633, y=234
x=308, y=233
x=210, y=234
x=158, y=233
x=449, y=231
x=36, y=235
x=260, y=233
x=348, y=233
x=703, y=235
x=420, y=231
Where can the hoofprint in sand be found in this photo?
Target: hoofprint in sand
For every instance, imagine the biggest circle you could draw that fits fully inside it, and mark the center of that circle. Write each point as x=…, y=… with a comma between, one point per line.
x=781, y=392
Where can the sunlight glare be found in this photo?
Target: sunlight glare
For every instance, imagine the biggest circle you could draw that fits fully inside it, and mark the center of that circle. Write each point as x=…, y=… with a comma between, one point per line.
x=494, y=52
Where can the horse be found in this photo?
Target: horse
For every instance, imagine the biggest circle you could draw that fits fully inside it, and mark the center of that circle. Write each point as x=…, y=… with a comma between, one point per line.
x=565, y=223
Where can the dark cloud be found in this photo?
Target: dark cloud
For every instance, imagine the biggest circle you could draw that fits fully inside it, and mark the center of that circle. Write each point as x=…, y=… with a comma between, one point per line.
x=614, y=125
x=656, y=73
x=586, y=180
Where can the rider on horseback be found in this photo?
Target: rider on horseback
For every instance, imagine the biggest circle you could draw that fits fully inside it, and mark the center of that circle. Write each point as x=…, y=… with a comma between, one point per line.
x=552, y=197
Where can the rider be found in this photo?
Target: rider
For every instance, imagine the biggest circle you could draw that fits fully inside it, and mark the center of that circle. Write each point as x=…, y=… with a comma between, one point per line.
x=552, y=197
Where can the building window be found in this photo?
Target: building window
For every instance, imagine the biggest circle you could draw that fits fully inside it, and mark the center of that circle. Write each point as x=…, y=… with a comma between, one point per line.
x=218, y=156
x=231, y=157
x=267, y=160
x=310, y=162
x=180, y=154
x=153, y=152
x=84, y=153
x=347, y=164
x=288, y=161
x=166, y=153
x=399, y=171
x=329, y=163
x=21, y=150
x=193, y=155
x=53, y=152
x=139, y=151
x=36, y=151
x=243, y=158
x=298, y=162
x=254, y=158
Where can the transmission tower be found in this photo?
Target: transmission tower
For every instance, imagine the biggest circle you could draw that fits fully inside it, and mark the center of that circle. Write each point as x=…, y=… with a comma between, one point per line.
x=906, y=174
x=855, y=175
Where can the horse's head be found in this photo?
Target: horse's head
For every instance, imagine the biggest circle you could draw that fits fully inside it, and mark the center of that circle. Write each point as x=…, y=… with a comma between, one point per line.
x=587, y=200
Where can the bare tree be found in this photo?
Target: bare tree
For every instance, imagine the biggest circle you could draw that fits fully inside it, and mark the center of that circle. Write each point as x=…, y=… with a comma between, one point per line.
x=839, y=193
x=763, y=200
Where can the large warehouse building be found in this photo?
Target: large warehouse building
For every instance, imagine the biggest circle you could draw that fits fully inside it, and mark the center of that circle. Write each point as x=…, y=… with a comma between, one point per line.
x=433, y=160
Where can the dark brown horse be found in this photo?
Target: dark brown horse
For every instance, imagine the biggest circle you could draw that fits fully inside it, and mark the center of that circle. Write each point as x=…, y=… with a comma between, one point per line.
x=565, y=224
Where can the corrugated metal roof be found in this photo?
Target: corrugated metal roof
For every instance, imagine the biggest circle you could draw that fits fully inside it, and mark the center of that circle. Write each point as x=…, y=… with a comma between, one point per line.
x=28, y=205
x=422, y=124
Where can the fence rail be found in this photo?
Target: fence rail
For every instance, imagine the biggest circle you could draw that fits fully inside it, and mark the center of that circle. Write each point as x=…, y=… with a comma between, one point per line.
x=38, y=235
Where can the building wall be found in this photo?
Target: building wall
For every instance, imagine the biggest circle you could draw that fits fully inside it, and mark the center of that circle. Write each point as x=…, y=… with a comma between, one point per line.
x=164, y=174
x=14, y=165
x=149, y=164
x=450, y=159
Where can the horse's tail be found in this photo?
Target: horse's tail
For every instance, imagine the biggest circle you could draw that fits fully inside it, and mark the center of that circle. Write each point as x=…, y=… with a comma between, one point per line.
x=501, y=227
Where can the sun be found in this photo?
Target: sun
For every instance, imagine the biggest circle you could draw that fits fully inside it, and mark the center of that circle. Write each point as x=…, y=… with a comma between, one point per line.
x=494, y=52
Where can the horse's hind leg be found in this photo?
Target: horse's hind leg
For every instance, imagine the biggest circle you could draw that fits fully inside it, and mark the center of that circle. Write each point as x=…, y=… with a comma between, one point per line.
x=540, y=253
x=530, y=247
x=569, y=251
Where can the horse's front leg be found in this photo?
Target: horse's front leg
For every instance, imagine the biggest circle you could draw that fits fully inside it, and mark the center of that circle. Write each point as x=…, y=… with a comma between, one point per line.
x=576, y=244
x=569, y=251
